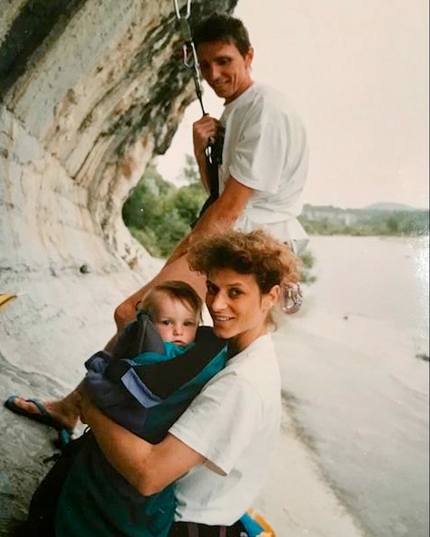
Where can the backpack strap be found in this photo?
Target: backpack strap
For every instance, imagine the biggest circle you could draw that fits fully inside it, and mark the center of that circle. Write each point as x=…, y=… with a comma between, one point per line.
x=139, y=336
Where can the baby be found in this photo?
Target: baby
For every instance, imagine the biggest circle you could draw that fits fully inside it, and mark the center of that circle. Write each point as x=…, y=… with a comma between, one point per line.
x=160, y=363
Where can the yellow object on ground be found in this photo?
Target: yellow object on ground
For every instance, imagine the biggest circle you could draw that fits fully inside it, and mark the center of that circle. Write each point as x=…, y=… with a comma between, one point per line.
x=5, y=299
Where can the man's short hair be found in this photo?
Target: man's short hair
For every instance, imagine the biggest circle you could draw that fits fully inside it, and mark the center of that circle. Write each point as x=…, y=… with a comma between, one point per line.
x=222, y=27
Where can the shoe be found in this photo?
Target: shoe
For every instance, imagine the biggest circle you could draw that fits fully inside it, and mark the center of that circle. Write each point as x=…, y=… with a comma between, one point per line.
x=64, y=438
x=42, y=417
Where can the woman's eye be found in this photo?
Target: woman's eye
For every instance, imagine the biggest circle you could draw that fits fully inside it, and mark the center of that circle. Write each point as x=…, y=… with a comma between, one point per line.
x=233, y=293
x=211, y=290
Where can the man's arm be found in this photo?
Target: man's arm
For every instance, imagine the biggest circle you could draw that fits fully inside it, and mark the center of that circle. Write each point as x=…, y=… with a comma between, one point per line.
x=224, y=212
x=220, y=216
x=148, y=468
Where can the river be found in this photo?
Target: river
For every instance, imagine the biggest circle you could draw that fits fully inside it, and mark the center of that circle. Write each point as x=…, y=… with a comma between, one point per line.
x=353, y=364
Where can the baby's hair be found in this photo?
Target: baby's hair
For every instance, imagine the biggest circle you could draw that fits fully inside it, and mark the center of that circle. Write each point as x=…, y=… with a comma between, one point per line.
x=175, y=289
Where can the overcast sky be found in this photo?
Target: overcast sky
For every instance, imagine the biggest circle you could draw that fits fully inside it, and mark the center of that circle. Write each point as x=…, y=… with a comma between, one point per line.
x=357, y=71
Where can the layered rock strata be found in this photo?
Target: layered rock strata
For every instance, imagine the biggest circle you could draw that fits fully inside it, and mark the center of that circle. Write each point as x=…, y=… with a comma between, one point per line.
x=90, y=92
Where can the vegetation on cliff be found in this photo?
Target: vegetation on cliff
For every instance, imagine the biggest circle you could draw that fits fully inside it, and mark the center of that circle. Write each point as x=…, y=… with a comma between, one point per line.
x=158, y=214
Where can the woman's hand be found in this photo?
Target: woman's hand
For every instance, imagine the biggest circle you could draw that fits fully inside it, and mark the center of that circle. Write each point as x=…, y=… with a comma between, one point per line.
x=204, y=131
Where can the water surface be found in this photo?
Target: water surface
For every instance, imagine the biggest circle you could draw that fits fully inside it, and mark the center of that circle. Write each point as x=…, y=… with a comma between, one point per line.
x=351, y=363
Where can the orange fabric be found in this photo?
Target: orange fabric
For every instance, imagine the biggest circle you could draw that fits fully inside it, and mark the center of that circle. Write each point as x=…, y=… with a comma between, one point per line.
x=268, y=530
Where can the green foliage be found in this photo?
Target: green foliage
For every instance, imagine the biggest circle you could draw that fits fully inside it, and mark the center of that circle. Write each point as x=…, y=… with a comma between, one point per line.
x=308, y=261
x=190, y=172
x=159, y=214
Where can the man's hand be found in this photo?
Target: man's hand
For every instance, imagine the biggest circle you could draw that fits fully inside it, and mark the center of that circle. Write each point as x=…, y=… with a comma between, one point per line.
x=204, y=130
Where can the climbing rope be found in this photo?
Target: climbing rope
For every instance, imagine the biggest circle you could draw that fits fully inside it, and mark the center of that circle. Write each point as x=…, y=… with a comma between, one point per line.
x=214, y=149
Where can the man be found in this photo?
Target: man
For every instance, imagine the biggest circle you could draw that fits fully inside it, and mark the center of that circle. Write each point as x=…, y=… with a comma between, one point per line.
x=262, y=174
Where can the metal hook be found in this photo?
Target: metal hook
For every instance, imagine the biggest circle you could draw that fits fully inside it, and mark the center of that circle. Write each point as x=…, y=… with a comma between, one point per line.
x=190, y=56
x=292, y=298
x=178, y=11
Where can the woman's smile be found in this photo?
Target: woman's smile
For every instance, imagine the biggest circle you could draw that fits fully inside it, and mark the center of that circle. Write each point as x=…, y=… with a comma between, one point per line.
x=237, y=307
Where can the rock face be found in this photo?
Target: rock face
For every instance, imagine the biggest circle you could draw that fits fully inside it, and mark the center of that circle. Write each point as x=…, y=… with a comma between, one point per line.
x=90, y=91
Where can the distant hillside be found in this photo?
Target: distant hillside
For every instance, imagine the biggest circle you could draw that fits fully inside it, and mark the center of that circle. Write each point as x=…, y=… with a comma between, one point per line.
x=378, y=219
x=390, y=207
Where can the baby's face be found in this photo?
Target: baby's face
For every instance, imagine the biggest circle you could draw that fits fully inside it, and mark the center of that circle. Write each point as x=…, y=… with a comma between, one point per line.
x=175, y=321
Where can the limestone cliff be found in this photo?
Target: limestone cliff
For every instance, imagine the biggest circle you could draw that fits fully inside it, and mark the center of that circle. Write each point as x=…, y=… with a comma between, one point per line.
x=90, y=91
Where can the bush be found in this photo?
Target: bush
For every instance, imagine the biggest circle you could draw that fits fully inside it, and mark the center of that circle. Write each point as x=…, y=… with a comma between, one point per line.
x=159, y=214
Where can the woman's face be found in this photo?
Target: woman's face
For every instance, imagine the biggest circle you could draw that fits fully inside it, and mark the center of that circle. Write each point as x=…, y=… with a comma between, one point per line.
x=238, y=309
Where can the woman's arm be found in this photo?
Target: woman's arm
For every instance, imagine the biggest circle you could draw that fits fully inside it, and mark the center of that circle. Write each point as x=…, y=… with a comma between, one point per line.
x=147, y=467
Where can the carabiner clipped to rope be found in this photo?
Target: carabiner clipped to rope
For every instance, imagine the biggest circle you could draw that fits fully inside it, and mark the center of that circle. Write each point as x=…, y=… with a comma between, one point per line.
x=178, y=11
x=189, y=50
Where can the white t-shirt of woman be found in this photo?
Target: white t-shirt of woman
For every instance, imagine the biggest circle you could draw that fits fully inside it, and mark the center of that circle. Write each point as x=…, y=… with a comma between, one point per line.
x=234, y=423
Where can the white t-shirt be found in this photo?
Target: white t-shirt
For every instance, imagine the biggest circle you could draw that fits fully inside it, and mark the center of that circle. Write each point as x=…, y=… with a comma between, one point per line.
x=234, y=423
x=265, y=148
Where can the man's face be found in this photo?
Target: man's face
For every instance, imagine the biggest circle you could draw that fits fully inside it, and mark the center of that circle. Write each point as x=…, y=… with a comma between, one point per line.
x=225, y=69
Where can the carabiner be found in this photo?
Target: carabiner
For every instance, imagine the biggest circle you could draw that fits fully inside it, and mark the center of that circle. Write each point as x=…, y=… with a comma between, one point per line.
x=178, y=11
x=190, y=56
x=291, y=298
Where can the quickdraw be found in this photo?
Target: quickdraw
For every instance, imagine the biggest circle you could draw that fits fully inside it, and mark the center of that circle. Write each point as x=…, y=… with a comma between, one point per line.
x=214, y=149
x=189, y=50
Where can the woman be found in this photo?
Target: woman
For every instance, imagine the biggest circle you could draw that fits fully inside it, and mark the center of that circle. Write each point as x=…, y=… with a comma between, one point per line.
x=217, y=451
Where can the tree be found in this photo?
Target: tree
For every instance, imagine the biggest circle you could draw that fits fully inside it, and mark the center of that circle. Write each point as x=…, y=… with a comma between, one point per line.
x=159, y=214
x=190, y=171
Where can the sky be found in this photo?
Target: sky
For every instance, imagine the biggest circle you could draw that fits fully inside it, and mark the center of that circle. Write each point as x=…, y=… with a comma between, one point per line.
x=358, y=73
